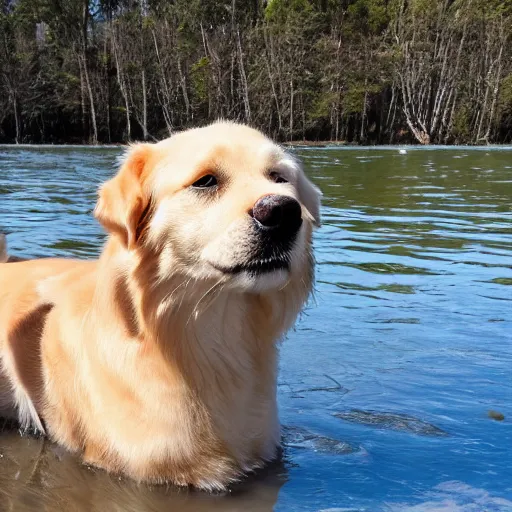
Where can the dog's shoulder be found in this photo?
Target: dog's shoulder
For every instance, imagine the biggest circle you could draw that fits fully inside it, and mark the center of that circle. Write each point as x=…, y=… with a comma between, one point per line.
x=65, y=278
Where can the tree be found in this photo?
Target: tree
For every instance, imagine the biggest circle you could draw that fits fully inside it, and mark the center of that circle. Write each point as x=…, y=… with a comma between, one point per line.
x=364, y=71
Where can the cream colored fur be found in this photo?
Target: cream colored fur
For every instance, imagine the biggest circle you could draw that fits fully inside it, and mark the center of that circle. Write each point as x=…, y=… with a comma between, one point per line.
x=150, y=361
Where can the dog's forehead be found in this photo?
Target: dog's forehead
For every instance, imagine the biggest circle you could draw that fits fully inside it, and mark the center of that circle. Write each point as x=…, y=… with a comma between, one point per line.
x=187, y=156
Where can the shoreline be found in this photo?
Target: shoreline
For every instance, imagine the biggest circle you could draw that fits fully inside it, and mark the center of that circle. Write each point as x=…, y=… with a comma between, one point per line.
x=341, y=145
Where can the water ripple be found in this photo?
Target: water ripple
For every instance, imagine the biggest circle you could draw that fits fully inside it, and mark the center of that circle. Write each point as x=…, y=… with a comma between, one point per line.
x=411, y=314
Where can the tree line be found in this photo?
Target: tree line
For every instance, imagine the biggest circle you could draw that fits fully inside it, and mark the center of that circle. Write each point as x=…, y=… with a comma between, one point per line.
x=361, y=71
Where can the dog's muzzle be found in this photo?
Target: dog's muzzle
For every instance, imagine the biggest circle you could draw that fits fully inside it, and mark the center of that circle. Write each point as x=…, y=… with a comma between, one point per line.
x=276, y=221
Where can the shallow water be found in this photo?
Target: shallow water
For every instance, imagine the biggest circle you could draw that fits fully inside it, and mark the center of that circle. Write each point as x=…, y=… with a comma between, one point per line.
x=386, y=383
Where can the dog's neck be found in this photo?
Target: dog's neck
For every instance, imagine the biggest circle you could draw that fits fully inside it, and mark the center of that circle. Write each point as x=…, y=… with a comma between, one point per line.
x=220, y=347
x=193, y=323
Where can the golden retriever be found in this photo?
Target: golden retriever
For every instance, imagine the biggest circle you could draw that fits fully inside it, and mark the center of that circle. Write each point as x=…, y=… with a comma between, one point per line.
x=159, y=360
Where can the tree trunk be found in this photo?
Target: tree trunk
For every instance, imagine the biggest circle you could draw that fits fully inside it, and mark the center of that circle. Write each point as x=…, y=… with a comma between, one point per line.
x=494, y=96
x=165, y=89
x=183, y=85
x=17, y=120
x=291, y=109
x=268, y=58
x=363, y=117
x=144, y=106
x=85, y=23
x=124, y=94
x=143, y=9
x=82, y=98
x=106, y=52
x=244, y=78
x=91, y=102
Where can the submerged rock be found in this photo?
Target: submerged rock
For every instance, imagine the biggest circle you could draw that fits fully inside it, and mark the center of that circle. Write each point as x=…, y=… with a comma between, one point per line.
x=496, y=415
x=298, y=437
x=392, y=421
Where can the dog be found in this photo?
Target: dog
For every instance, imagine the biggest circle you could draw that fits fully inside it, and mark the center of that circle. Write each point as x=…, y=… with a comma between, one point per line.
x=158, y=361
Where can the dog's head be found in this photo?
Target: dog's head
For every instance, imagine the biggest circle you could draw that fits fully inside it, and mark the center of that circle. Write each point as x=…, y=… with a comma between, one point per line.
x=220, y=203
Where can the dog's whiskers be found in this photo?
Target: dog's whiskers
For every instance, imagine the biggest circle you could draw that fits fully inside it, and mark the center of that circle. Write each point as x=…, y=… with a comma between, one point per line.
x=184, y=293
x=167, y=299
x=213, y=289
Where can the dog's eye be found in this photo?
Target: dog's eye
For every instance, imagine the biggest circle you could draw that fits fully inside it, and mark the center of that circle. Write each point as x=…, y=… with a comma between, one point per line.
x=277, y=178
x=207, y=181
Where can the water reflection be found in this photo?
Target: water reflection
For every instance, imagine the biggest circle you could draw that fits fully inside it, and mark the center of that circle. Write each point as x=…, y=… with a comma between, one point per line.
x=35, y=475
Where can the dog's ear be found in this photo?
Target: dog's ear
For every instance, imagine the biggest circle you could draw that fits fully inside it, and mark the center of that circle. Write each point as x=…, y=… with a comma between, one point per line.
x=122, y=200
x=309, y=195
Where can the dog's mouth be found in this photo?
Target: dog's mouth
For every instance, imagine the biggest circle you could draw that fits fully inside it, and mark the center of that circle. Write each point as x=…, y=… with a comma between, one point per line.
x=255, y=267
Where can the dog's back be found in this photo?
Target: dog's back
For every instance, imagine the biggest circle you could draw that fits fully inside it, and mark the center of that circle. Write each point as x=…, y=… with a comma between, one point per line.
x=23, y=314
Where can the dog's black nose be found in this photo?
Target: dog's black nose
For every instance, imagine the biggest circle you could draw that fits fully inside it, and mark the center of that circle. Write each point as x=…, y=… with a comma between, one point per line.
x=273, y=211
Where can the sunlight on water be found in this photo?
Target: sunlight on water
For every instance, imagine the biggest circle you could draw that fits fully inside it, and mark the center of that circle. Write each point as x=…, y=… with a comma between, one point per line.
x=386, y=383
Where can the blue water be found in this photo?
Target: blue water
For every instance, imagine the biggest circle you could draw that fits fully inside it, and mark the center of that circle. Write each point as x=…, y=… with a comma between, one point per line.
x=387, y=381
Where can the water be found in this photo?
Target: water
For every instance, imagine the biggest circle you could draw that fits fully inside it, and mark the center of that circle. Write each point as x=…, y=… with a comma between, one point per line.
x=386, y=383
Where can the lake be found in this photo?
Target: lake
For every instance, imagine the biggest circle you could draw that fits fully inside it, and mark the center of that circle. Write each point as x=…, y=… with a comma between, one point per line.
x=386, y=384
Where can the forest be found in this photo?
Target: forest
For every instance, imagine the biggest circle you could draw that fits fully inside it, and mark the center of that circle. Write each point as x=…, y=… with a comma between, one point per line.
x=354, y=71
